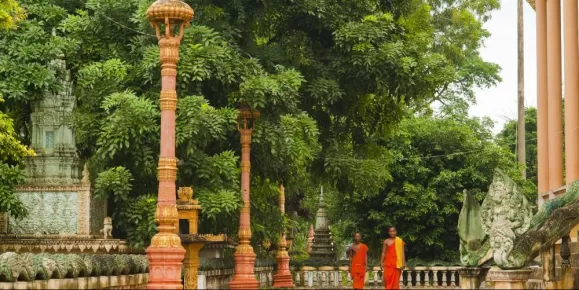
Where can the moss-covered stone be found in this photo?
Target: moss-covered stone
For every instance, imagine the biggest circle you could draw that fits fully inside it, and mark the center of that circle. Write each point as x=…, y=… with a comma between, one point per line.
x=14, y=267
x=44, y=266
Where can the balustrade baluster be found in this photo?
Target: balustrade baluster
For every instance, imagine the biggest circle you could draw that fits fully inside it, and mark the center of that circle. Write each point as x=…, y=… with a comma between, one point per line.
x=435, y=278
x=310, y=278
x=409, y=279
x=349, y=278
x=444, y=280
x=452, y=278
x=427, y=278
x=418, y=278
x=401, y=279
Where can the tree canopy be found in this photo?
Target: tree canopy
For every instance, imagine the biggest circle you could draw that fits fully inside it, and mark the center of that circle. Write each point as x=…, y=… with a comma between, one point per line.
x=333, y=81
x=508, y=137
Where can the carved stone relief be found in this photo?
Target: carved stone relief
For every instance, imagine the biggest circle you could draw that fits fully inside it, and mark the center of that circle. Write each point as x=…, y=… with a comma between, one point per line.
x=49, y=213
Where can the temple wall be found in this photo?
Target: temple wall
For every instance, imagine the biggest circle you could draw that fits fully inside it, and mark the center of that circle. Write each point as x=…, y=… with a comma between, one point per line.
x=53, y=210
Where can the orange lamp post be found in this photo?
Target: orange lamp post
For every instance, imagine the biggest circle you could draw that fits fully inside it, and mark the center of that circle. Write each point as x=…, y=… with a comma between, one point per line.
x=244, y=255
x=165, y=253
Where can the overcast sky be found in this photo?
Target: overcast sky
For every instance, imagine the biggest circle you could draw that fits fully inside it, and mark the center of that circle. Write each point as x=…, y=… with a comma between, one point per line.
x=500, y=102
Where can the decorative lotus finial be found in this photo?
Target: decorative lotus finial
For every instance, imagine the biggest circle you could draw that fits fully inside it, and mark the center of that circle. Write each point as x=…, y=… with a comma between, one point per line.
x=172, y=10
x=170, y=13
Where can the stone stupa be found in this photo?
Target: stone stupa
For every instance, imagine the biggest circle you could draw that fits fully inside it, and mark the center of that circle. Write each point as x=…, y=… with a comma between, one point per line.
x=322, y=247
x=63, y=215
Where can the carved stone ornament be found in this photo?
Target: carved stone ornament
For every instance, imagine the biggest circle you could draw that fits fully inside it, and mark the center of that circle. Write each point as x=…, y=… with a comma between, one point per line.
x=107, y=230
x=185, y=193
x=515, y=236
x=495, y=275
x=63, y=244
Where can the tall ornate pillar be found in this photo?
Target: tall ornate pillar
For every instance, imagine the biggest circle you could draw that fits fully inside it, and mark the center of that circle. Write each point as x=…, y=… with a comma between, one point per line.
x=555, y=94
x=283, y=277
x=165, y=253
x=244, y=256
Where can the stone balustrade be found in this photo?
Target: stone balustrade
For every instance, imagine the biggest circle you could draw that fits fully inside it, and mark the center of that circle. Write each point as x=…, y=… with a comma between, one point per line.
x=412, y=277
x=219, y=279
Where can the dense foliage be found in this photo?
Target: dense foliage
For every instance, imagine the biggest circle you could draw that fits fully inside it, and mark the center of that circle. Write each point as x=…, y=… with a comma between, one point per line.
x=12, y=152
x=332, y=79
x=508, y=137
x=434, y=158
x=10, y=14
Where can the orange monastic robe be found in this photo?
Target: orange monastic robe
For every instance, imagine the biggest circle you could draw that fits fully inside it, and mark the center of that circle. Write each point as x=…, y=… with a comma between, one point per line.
x=358, y=270
x=393, y=264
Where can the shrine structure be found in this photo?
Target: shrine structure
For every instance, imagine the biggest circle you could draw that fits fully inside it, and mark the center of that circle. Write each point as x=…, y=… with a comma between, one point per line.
x=322, y=247
x=63, y=215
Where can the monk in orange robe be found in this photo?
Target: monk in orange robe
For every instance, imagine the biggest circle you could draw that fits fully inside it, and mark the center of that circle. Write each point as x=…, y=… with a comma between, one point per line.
x=358, y=261
x=393, y=260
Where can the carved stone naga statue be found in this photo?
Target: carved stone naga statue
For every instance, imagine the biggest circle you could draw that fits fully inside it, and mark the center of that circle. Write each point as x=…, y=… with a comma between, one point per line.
x=503, y=229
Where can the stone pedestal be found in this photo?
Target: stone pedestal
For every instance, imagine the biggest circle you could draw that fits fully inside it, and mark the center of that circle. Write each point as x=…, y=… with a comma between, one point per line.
x=165, y=267
x=283, y=278
x=509, y=279
x=244, y=277
x=472, y=277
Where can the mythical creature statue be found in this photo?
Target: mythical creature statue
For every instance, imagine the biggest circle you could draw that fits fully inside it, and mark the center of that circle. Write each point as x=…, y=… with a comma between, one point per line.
x=107, y=230
x=505, y=230
x=474, y=245
x=185, y=193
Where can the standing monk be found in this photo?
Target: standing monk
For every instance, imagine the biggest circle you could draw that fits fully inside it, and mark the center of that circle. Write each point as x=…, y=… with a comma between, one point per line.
x=357, y=253
x=393, y=260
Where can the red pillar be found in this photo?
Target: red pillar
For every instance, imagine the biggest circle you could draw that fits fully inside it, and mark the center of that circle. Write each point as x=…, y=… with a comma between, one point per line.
x=244, y=277
x=283, y=277
x=165, y=253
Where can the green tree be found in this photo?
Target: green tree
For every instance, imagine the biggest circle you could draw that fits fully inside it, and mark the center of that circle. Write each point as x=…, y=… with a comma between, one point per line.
x=10, y=14
x=332, y=80
x=433, y=159
x=12, y=153
x=508, y=138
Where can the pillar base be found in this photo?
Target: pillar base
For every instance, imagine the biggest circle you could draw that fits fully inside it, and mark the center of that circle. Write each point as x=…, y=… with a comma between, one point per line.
x=244, y=277
x=165, y=267
x=509, y=279
x=472, y=277
x=283, y=278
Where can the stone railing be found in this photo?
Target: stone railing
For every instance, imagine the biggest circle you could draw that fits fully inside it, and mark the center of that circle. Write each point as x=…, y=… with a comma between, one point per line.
x=72, y=271
x=412, y=277
x=219, y=279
